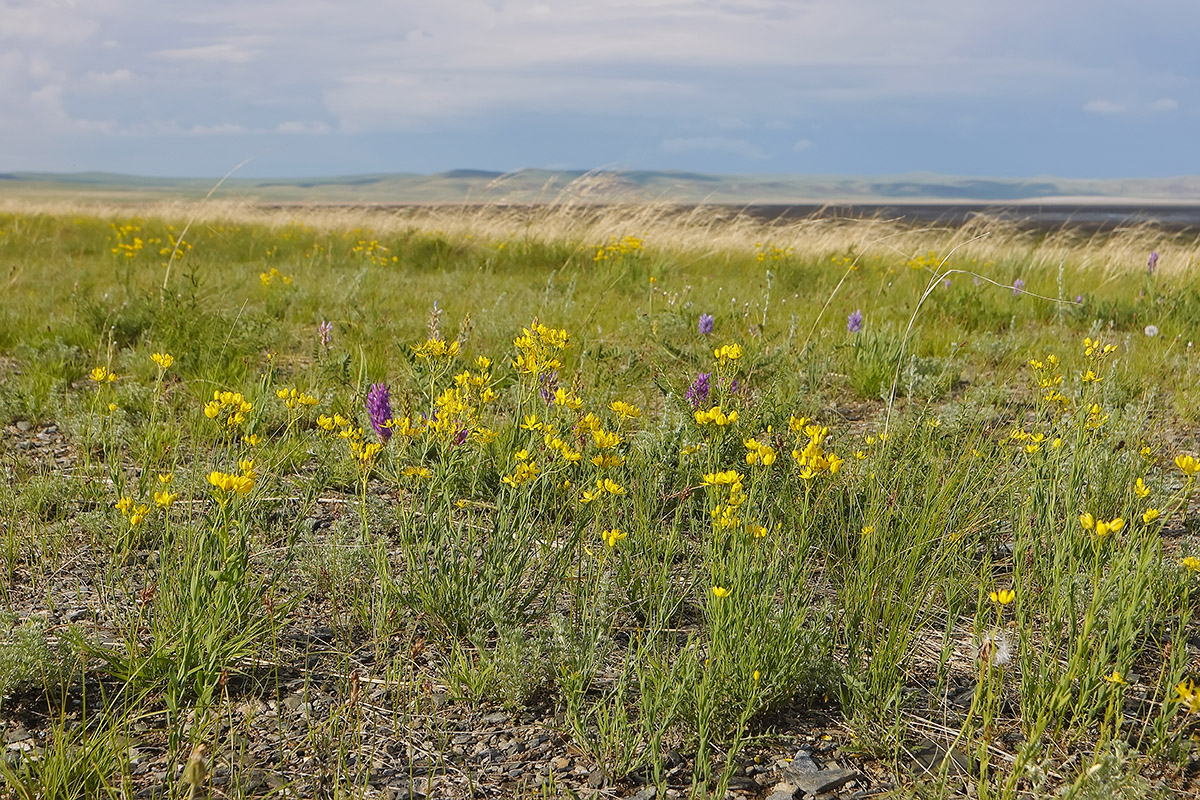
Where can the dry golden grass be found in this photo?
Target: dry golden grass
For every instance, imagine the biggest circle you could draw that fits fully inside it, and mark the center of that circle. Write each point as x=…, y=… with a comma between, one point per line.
x=674, y=230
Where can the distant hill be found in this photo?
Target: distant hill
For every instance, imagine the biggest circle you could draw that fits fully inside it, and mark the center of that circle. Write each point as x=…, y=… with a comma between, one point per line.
x=573, y=186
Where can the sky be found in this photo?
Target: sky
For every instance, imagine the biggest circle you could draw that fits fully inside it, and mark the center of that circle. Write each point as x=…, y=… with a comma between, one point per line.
x=291, y=88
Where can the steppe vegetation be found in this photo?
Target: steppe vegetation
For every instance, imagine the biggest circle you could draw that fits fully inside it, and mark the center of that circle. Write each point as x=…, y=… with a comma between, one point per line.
x=556, y=501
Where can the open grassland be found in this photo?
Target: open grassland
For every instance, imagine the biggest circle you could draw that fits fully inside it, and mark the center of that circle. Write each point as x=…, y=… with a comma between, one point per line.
x=564, y=500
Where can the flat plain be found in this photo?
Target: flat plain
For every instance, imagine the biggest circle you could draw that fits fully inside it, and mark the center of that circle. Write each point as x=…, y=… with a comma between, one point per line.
x=564, y=500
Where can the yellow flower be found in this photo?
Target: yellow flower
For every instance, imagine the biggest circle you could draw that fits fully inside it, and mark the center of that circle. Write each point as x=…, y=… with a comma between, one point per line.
x=164, y=360
x=102, y=375
x=165, y=478
x=611, y=486
x=416, y=472
x=164, y=499
x=1150, y=515
x=124, y=505
x=1189, y=696
x=1191, y=563
x=603, y=461
x=1003, y=597
x=1115, y=678
x=1104, y=528
x=1188, y=464
x=242, y=484
x=625, y=410
x=1140, y=488
x=138, y=514
x=727, y=352
x=252, y=439
x=564, y=398
x=1087, y=521
x=605, y=439
x=611, y=537
x=531, y=423
x=720, y=592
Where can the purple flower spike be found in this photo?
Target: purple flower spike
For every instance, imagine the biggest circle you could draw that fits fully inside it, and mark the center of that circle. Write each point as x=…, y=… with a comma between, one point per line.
x=706, y=324
x=697, y=393
x=1152, y=264
x=549, y=386
x=325, y=329
x=379, y=408
x=854, y=322
x=1018, y=286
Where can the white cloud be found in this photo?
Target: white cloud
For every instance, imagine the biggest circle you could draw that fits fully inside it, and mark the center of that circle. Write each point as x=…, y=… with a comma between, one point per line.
x=1103, y=107
x=1163, y=104
x=713, y=144
x=117, y=77
x=301, y=127
x=218, y=53
x=801, y=145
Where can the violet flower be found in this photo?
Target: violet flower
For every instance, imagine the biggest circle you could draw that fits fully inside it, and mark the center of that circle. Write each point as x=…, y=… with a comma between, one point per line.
x=1018, y=286
x=325, y=329
x=549, y=386
x=1152, y=264
x=697, y=393
x=706, y=324
x=379, y=409
x=854, y=322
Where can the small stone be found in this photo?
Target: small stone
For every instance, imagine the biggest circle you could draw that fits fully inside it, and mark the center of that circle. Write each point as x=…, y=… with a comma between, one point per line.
x=24, y=425
x=783, y=791
x=560, y=764
x=597, y=778
x=826, y=780
x=496, y=718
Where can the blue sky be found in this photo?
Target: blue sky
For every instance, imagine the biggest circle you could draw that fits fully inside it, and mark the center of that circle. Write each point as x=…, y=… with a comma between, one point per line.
x=1014, y=88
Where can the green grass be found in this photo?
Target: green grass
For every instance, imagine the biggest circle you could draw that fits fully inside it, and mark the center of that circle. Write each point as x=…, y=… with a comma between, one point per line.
x=649, y=580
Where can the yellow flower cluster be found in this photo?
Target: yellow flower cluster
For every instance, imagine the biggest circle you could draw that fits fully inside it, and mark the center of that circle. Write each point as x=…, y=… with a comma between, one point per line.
x=726, y=353
x=102, y=375
x=759, y=453
x=240, y=483
x=625, y=410
x=604, y=486
x=294, y=399
x=129, y=248
x=1099, y=526
x=716, y=417
x=1094, y=348
x=1032, y=441
x=1095, y=417
x=1002, y=597
x=230, y=405
x=725, y=514
x=275, y=275
x=772, y=252
x=364, y=452
x=1188, y=464
x=813, y=459
x=164, y=360
x=538, y=349
x=569, y=454
x=1189, y=697
x=165, y=497
x=374, y=252
x=568, y=400
x=611, y=537
x=525, y=472
x=616, y=248
x=134, y=513
x=436, y=348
